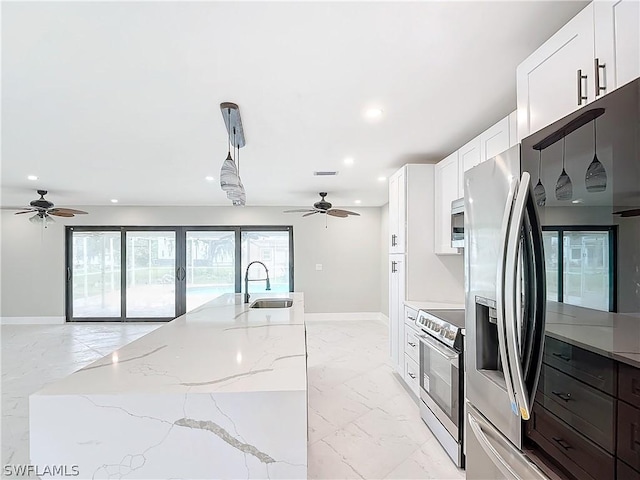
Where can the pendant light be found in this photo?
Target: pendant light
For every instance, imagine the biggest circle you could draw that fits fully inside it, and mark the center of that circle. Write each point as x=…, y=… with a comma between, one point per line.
x=564, y=187
x=230, y=180
x=596, y=176
x=539, y=193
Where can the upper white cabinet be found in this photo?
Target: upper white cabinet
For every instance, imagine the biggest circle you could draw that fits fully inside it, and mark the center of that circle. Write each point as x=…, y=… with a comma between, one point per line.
x=469, y=156
x=496, y=139
x=558, y=77
x=397, y=212
x=617, y=43
x=595, y=52
x=447, y=189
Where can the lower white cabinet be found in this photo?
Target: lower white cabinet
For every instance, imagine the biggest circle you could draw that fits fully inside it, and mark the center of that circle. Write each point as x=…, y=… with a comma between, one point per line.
x=397, y=287
x=412, y=374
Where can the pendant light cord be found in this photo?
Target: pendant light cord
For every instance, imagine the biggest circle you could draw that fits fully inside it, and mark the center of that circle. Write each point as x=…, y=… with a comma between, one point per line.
x=563, y=142
x=228, y=133
x=539, y=162
x=594, y=136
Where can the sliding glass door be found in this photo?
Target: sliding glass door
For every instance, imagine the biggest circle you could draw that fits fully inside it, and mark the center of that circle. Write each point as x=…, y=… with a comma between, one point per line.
x=210, y=265
x=158, y=273
x=151, y=274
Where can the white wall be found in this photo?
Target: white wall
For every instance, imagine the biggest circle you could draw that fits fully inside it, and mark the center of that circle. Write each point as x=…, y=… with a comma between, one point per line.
x=33, y=273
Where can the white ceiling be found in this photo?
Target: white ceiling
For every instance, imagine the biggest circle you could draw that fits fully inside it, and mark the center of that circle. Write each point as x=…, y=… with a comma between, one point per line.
x=121, y=100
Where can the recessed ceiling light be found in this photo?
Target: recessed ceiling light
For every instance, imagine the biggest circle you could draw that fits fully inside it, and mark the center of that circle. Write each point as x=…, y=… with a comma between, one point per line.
x=114, y=200
x=32, y=177
x=209, y=178
x=382, y=179
x=373, y=113
x=358, y=201
x=348, y=161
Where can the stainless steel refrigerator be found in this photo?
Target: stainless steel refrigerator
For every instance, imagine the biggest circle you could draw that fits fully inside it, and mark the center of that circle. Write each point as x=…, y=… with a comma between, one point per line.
x=505, y=316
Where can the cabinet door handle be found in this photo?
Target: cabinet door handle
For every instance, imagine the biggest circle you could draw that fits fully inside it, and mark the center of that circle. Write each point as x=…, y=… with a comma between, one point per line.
x=412, y=375
x=580, y=96
x=562, y=443
x=635, y=388
x=68, y=274
x=563, y=396
x=597, y=67
x=393, y=267
x=563, y=357
x=412, y=344
x=393, y=240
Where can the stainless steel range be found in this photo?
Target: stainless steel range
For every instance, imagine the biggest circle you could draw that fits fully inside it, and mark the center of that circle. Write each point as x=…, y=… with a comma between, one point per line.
x=441, y=377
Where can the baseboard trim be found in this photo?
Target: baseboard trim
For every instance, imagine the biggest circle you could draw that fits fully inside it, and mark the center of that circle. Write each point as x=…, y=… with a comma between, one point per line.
x=32, y=320
x=342, y=317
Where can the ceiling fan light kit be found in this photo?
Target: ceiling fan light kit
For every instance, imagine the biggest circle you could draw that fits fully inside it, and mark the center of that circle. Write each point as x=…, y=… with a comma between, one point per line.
x=230, y=181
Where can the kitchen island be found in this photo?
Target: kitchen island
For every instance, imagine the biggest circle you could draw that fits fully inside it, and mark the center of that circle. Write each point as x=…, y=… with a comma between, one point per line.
x=220, y=392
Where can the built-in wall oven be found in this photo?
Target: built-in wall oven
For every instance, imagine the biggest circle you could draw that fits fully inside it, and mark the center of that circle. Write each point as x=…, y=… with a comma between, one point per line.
x=441, y=377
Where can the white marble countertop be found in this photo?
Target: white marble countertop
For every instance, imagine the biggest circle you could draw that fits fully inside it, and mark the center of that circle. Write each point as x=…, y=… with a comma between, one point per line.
x=222, y=346
x=425, y=305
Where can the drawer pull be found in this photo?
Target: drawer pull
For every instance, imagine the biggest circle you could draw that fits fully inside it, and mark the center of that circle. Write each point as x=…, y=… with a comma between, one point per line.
x=563, y=396
x=562, y=443
x=563, y=357
x=412, y=375
x=413, y=319
x=412, y=344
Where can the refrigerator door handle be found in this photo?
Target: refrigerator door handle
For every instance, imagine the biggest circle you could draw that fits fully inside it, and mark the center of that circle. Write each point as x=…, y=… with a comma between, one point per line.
x=512, y=302
x=500, y=294
x=516, y=466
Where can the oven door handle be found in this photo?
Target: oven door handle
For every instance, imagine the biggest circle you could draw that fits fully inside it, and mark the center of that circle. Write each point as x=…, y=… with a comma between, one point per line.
x=450, y=355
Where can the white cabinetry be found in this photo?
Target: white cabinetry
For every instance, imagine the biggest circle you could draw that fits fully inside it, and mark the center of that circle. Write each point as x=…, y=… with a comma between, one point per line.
x=412, y=273
x=496, y=139
x=397, y=284
x=597, y=51
x=558, y=77
x=411, y=351
x=469, y=156
x=397, y=212
x=617, y=43
x=447, y=189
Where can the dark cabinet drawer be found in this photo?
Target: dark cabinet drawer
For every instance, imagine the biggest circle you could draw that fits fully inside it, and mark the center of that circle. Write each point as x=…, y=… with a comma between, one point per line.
x=591, y=368
x=625, y=472
x=629, y=434
x=573, y=452
x=589, y=411
x=629, y=384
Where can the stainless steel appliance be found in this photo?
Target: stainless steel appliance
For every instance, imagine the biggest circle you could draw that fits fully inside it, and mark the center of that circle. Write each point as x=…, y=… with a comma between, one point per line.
x=457, y=223
x=505, y=308
x=441, y=377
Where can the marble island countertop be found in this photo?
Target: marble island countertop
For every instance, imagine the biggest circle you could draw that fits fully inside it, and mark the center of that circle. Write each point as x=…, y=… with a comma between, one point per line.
x=615, y=335
x=222, y=346
x=220, y=392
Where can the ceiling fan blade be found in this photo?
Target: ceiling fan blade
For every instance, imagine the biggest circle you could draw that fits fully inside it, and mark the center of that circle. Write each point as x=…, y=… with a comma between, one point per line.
x=339, y=212
x=635, y=212
x=27, y=211
x=73, y=211
x=299, y=210
x=58, y=213
x=311, y=213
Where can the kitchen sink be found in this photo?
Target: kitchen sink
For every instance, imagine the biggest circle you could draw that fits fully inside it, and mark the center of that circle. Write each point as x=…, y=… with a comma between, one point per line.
x=272, y=303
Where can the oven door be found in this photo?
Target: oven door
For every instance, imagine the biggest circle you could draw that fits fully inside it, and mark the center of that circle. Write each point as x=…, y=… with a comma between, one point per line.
x=440, y=382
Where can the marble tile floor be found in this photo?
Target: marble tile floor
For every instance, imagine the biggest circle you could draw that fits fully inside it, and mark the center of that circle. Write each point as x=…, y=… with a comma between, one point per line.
x=362, y=421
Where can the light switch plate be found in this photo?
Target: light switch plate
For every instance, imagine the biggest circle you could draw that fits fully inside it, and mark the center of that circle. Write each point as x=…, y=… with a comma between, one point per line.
x=318, y=266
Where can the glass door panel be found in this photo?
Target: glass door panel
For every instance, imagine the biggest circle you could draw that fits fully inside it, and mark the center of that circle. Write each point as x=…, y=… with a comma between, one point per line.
x=210, y=266
x=272, y=249
x=551, y=257
x=95, y=272
x=151, y=274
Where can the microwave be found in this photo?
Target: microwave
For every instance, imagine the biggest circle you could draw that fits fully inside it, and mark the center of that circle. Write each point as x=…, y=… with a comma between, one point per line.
x=457, y=223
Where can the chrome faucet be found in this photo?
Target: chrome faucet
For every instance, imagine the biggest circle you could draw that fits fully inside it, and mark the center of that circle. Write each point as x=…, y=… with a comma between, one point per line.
x=246, y=280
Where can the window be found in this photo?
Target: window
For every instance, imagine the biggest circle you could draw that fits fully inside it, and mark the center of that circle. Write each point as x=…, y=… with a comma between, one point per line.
x=580, y=266
x=168, y=270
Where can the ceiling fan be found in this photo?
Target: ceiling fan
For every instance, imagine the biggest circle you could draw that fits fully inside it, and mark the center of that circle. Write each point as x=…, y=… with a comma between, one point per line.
x=323, y=207
x=43, y=209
